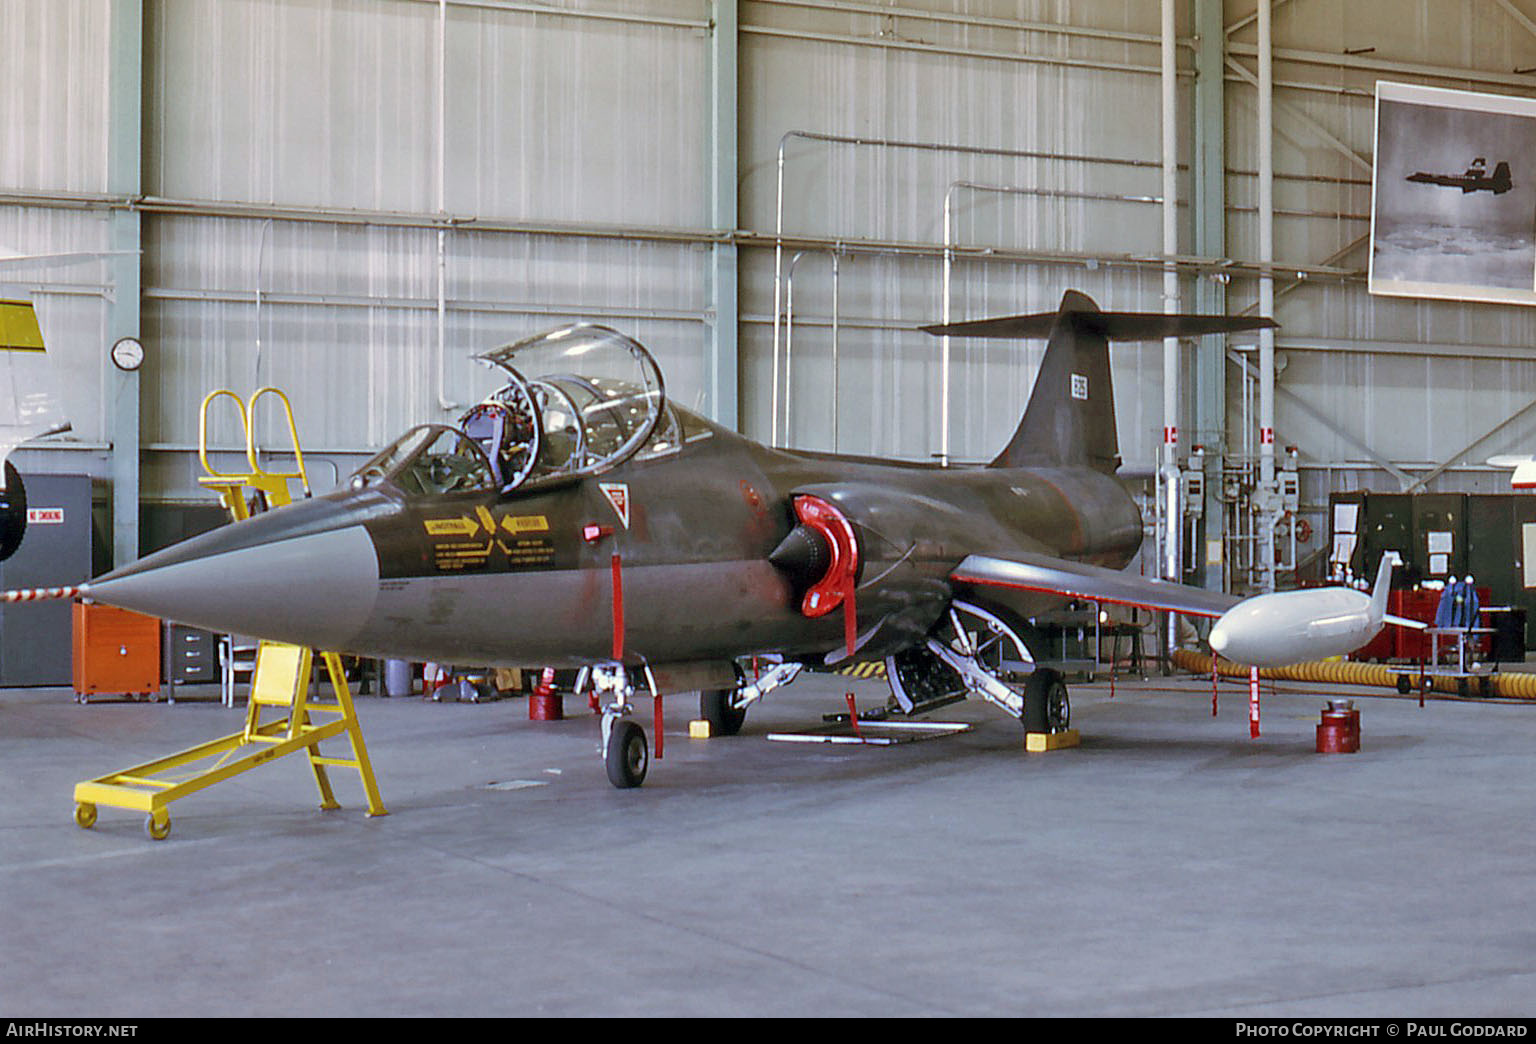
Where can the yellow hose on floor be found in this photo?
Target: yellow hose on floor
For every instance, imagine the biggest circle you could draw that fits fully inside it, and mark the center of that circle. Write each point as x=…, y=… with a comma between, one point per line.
x=1516, y=686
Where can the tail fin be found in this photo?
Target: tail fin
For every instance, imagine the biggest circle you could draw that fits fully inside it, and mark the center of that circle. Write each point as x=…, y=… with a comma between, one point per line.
x=1501, y=179
x=1070, y=419
x=1383, y=586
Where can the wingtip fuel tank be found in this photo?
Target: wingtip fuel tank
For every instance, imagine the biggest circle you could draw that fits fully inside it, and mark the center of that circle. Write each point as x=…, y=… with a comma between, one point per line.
x=1276, y=630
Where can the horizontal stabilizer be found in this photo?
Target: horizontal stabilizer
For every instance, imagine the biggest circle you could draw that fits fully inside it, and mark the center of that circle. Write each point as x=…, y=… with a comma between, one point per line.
x=1113, y=326
x=1058, y=576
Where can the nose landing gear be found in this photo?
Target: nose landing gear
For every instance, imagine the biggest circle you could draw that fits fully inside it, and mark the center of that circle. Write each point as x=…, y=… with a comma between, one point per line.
x=624, y=749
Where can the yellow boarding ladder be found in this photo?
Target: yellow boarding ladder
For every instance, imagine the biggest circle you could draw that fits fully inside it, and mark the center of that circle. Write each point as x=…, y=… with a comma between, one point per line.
x=281, y=679
x=272, y=486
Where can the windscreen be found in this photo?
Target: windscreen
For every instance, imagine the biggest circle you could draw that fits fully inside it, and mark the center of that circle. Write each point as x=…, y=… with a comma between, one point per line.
x=431, y=460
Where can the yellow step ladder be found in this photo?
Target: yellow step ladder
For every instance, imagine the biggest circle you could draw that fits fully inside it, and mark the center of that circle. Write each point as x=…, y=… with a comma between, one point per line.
x=281, y=679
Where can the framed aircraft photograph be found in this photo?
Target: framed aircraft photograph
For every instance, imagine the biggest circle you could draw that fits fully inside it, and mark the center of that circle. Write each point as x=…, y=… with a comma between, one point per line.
x=1453, y=202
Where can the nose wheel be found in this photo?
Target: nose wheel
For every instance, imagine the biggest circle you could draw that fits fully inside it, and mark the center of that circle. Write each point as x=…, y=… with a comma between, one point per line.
x=628, y=755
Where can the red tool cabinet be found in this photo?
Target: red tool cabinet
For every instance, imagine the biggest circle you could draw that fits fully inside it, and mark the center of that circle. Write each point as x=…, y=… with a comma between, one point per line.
x=115, y=652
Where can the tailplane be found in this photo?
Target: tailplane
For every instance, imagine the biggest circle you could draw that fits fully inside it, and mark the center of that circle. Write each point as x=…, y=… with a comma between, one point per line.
x=1070, y=419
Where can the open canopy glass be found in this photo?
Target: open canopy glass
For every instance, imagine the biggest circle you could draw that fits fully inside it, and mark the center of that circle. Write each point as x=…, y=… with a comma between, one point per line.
x=577, y=401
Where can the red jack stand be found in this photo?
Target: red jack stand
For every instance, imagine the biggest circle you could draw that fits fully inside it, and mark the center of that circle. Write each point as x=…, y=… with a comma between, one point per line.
x=1339, y=731
x=545, y=703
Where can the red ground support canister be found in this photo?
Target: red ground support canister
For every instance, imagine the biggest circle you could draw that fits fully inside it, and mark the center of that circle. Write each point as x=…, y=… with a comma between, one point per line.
x=544, y=704
x=1339, y=731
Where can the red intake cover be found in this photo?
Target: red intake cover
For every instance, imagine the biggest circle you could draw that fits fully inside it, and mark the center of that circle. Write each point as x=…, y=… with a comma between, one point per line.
x=827, y=593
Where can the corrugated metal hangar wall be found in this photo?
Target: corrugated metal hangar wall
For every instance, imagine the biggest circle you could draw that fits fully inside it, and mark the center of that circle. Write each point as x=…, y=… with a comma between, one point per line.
x=346, y=198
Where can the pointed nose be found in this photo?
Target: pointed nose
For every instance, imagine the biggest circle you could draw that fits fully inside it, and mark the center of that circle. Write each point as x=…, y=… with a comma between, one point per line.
x=265, y=578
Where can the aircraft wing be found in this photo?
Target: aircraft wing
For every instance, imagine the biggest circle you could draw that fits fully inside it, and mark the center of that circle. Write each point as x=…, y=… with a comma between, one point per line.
x=1050, y=575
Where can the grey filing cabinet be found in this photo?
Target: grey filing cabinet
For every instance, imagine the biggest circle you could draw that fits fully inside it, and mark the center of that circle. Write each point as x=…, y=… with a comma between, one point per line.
x=191, y=656
x=36, y=638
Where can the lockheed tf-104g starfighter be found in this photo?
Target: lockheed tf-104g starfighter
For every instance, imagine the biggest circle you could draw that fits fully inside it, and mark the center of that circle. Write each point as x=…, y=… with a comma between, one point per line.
x=577, y=518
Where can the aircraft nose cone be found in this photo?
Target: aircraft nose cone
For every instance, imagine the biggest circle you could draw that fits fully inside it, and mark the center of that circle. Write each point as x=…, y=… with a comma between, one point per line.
x=308, y=588
x=1219, y=638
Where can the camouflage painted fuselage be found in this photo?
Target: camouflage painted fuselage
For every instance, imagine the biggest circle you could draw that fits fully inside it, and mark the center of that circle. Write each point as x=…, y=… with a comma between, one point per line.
x=488, y=579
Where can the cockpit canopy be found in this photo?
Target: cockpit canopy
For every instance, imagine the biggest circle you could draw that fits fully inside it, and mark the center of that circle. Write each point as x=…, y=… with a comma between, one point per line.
x=577, y=401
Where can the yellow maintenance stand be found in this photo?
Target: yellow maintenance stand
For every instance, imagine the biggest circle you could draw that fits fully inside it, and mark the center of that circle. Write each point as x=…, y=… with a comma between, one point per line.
x=281, y=680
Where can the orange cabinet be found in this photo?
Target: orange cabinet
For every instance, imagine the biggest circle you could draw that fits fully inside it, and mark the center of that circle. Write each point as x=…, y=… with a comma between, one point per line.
x=115, y=651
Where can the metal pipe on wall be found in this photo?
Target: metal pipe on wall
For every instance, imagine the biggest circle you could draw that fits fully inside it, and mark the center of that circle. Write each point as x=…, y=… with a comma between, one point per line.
x=778, y=286
x=944, y=342
x=927, y=146
x=261, y=247
x=789, y=337
x=945, y=303
x=443, y=402
x=836, y=307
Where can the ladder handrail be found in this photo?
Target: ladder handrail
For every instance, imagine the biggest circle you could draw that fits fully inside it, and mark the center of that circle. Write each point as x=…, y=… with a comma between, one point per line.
x=272, y=483
x=293, y=435
x=202, y=432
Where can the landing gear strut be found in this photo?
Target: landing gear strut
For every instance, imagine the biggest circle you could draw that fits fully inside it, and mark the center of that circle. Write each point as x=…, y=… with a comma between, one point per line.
x=726, y=709
x=973, y=651
x=987, y=656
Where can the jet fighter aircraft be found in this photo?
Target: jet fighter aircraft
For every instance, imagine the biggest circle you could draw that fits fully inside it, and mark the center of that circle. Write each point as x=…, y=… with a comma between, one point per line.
x=577, y=518
x=1475, y=179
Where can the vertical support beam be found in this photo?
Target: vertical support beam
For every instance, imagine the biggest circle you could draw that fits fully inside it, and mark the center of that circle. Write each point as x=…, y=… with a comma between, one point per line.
x=125, y=178
x=1267, y=498
x=723, y=365
x=1208, y=189
x=1172, y=513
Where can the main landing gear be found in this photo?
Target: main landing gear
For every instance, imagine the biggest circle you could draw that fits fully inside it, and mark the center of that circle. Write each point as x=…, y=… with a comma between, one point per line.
x=973, y=651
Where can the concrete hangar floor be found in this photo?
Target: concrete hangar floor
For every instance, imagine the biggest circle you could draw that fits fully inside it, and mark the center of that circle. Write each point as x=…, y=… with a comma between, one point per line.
x=1170, y=865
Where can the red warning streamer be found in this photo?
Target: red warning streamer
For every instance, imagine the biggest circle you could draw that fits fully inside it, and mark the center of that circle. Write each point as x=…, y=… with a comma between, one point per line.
x=618, y=608
x=1253, y=702
x=41, y=594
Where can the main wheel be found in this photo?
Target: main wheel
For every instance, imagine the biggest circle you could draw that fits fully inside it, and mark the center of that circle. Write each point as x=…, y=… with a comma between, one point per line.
x=1047, y=706
x=715, y=708
x=628, y=755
